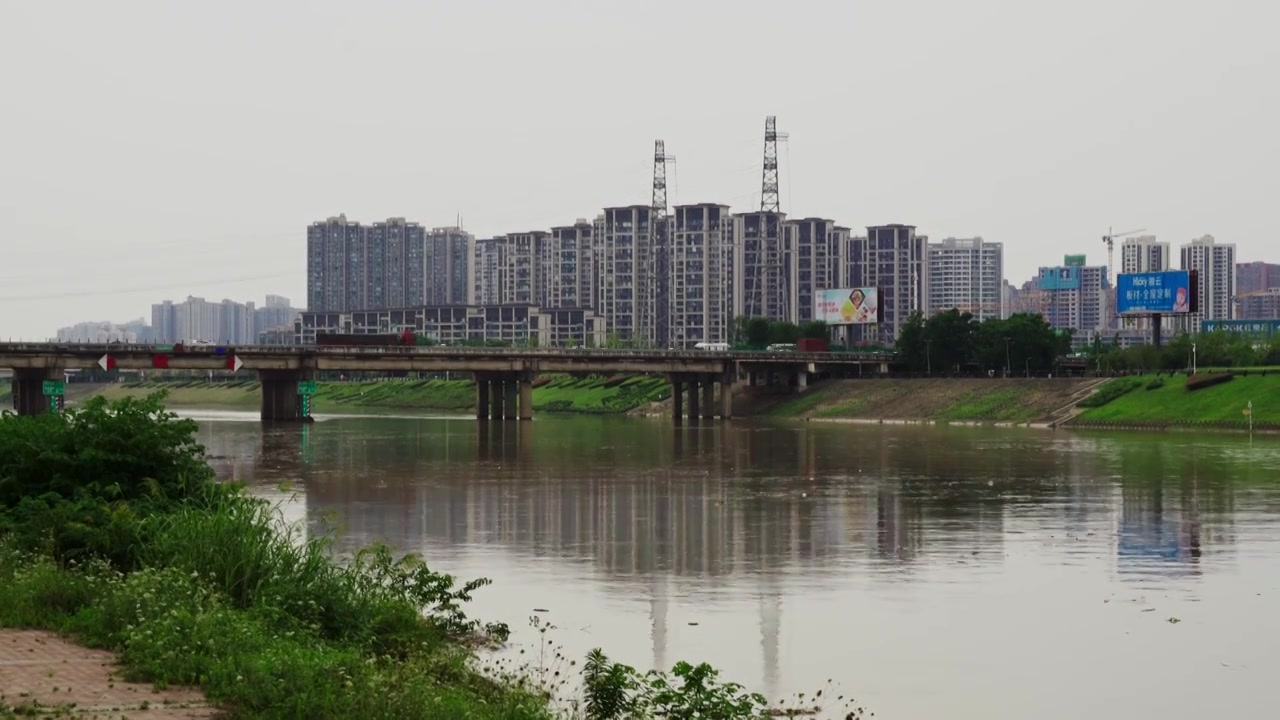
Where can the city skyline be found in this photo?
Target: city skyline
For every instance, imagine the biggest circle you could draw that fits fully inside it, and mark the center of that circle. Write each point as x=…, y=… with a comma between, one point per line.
x=191, y=175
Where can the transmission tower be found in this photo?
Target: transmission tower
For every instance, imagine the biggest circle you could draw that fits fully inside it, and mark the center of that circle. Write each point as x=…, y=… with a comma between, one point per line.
x=769, y=185
x=659, y=286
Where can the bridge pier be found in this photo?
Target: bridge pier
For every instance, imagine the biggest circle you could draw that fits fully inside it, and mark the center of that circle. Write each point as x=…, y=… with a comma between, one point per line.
x=677, y=398
x=280, y=399
x=726, y=396
x=526, y=396
x=708, y=397
x=510, y=392
x=695, y=410
x=497, y=399
x=482, y=397
x=28, y=389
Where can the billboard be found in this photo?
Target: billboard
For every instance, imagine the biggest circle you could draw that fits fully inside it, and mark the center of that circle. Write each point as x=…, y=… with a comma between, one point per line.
x=1161, y=293
x=1073, y=260
x=1066, y=277
x=848, y=306
x=1266, y=328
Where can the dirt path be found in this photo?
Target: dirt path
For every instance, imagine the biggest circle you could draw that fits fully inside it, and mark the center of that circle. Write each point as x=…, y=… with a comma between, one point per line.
x=43, y=675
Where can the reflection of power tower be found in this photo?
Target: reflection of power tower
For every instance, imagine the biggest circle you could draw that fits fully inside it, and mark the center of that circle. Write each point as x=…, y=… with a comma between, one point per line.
x=770, y=630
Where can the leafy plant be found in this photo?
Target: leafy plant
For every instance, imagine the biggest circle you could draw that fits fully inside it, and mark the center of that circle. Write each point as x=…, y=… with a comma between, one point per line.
x=1198, y=382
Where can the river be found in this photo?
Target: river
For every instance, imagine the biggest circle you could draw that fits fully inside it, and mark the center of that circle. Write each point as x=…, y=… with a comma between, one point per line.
x=931, y=572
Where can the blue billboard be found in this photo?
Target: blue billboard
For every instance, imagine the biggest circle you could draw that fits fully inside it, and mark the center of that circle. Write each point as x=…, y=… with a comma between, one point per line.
x=1164, y=293
x=1066, y=277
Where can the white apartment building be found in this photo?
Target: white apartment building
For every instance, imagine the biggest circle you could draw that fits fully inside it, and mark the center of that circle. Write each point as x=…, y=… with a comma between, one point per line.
x=1215, y=264
x=966, y=275
x=447, y=257
x=700, y=275
x=571, y=280
x=1144, y=254
x=486, y=270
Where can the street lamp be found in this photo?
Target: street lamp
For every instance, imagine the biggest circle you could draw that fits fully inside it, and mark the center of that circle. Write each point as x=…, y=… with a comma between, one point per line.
x=1007, y=365
x=1193, y=358
x=928, y=357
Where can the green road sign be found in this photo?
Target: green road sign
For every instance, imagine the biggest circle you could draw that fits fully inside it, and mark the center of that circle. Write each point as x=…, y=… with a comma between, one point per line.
x=306, y=387
x=54, y=387
x=306, y=406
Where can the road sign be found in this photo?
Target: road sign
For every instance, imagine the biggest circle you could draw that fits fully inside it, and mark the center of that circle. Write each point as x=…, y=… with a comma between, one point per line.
x=54, y=387
x=306, y=405
x=234, y=363
x=106, y=362
x=306, y=387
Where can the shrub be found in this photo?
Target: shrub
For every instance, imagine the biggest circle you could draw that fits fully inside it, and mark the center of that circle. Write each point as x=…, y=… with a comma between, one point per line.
x=1110, y=391
x=1156, y=383
x=1197, y=382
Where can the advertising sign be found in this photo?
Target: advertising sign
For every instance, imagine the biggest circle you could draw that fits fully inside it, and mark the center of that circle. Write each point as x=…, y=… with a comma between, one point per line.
x=1165, y=293
x=848, y=306
x=1060, y=278
x=1073, y=260
x=1266, y=328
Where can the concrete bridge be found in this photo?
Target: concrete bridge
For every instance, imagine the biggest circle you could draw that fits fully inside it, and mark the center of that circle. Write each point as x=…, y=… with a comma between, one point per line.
x=503, y=376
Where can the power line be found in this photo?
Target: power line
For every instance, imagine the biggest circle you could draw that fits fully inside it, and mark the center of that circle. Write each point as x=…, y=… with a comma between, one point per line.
x=149, y=288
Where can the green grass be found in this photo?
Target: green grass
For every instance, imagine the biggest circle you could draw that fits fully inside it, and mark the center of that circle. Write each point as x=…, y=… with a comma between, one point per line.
x=558, y=394
x=1172, y=404
x=1001, y=406
x=801, y=404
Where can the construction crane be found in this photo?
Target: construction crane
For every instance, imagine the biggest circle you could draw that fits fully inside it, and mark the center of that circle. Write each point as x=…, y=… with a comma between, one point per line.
x=1110, y=240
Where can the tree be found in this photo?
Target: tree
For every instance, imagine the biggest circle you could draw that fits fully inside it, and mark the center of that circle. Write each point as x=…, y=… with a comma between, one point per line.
x=950, y=340
x=911, y=342
x=757, y=332
x=816, y=329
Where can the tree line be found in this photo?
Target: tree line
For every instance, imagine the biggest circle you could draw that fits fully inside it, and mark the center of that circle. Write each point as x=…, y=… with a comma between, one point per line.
x=957, y=342
x=1215, y=349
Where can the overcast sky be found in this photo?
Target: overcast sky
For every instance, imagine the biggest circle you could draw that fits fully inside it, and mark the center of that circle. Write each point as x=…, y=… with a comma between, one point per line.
x=151, y=150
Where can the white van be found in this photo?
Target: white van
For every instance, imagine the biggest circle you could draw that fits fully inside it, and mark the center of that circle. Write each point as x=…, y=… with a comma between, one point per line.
x=712, y=347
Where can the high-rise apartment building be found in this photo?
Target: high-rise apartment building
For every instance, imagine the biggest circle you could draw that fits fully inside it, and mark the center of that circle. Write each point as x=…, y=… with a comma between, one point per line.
x=763, y=266
x=700, y=275
x=1215, y=264
x=526, y=264
x=966, y=275
x=448, y=255
x=896, y=260
x=1074, y=297
x=487, y=270
x=628, y=278
x=1260, y=305
x=1255, y=277
x=571, y=278
x=1144, y=254
x=336, y=265
x=277, y=315
x=819, y=246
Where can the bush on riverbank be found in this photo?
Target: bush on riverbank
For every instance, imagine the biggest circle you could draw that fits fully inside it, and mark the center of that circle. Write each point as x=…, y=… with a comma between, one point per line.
x=112, y=530
x=1112, y=390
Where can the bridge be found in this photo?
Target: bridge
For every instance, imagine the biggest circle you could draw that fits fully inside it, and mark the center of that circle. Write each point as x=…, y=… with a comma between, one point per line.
x=503, y=376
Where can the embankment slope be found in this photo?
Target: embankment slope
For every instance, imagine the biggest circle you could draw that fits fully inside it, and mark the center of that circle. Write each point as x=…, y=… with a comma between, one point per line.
x=1012, y=400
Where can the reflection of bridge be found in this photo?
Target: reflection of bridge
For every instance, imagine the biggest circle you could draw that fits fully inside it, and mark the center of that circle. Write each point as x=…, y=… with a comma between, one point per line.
x=503, y=376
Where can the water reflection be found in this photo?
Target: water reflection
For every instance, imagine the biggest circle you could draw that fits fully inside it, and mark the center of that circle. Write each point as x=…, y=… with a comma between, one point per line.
x=758, y=526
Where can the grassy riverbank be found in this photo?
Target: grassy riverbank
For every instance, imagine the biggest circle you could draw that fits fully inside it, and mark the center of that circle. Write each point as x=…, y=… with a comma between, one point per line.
x=1150, y=401
x=599, y=395
x=114, y=532
x=1013, y=400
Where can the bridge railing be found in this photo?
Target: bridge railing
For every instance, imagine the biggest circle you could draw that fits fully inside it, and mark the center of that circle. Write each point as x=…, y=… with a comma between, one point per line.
x=441, y=350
